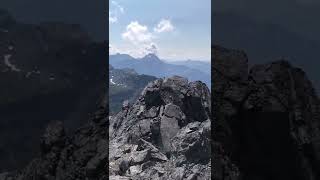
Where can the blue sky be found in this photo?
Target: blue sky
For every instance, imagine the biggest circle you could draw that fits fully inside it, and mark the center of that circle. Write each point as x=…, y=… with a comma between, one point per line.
x=173, y=29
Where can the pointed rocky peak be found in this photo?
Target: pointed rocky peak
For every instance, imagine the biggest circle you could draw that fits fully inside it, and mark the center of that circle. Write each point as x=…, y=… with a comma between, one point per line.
x=151, y=57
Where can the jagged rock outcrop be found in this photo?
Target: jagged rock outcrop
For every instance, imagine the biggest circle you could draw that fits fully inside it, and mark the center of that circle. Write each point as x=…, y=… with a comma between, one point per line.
x=266, y=120
x=163, y=135
x=80, y=156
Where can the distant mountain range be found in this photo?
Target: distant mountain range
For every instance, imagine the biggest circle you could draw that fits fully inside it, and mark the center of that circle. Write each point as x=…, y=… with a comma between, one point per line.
x=152, y=65
x=203, y=66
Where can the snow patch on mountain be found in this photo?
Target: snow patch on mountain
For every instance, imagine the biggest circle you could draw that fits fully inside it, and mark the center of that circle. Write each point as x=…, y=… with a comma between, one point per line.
x=111, y=81
x=9, y=64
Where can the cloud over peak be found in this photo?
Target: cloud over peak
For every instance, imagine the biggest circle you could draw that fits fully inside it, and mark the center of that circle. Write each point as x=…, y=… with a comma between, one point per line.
x=137, y=33
x=164, y=25
x=151, y=48
x=142, y=39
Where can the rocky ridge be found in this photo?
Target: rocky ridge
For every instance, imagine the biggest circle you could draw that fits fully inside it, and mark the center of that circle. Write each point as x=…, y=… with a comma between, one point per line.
x=79, y=156
x=266, y=120
x=165, y=134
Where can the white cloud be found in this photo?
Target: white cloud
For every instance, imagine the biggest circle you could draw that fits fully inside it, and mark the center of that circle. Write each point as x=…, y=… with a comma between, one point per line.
x=134, y=51
x=113, y=49
x=141, y=39
x=115, y=11
x=164, y=25
x=112, y=18
x=137, y=34
x=118, y=6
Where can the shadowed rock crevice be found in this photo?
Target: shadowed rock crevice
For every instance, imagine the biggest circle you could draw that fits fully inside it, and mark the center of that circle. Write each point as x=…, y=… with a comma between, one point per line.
x=263, y=149
x=153, y=99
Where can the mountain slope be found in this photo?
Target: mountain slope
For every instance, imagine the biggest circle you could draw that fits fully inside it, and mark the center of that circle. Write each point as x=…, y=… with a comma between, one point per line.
x=50, y=71
x=125, y=84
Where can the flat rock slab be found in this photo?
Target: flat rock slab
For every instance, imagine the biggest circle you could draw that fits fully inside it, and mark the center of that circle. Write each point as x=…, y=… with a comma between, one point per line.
x=168, y=128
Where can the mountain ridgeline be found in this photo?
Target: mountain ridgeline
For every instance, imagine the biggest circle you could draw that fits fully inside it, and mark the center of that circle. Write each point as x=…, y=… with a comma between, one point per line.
x=152, y=65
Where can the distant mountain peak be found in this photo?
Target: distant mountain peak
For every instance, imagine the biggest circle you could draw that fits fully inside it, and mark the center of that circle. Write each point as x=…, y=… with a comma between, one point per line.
x=120, y=56
x=152, y=57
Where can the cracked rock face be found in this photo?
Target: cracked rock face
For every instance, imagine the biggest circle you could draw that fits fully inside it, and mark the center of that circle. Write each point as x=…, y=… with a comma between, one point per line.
x=165, y=134
x=266, y=120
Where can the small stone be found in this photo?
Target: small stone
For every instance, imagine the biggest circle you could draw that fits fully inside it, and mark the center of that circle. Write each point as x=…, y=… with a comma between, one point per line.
x=135, y=169
x=125, y=104
x=138, y=157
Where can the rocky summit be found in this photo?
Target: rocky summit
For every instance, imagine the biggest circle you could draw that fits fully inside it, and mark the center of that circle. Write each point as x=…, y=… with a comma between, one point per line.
x=266, y=120
x=165, y=134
